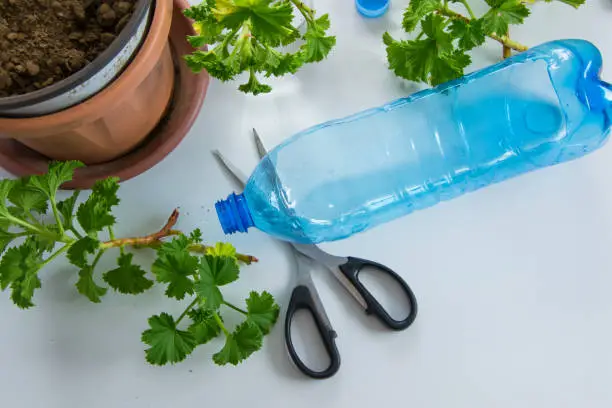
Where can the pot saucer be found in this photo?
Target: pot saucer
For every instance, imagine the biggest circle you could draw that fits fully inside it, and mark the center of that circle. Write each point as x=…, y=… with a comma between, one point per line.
x=188, y=96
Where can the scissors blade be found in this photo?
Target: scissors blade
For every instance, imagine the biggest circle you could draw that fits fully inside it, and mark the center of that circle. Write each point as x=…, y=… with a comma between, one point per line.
x=261, y=149
x=234, y=171
x=332, y=262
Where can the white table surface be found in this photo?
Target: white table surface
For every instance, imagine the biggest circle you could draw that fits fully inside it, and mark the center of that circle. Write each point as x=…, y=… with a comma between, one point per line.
x=513, y=282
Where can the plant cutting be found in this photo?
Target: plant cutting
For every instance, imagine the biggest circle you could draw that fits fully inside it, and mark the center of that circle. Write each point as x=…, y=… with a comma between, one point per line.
x=36, y=229
x=439, y=53
x=248, y=36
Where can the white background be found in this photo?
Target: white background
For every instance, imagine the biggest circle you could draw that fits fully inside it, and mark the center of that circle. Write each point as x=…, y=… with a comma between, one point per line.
x=514, y=281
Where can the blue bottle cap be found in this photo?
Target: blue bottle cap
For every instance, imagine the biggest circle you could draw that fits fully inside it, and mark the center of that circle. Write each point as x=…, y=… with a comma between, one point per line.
x=234, y=214
x=372, y=8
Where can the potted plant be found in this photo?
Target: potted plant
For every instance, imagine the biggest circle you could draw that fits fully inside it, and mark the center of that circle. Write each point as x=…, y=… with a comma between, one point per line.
x=440, y=51
x=95, y=94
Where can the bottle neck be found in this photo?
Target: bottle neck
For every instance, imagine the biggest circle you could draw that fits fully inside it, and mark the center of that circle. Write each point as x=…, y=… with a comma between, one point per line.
x=234, y=214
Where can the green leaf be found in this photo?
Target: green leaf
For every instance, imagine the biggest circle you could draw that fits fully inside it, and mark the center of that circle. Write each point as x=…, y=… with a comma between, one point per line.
x=222, y=249
x=77, y=254
x=470, y=34
x=87, y=287
x=57, y=174
x=449, y=67
x=6, y=185
x=19, y=268
x=254, y=86
x=318, y=45
x=175, y=265
x=95, y=214
x=127, y=278
x=218, y=270
x=263, y=310
x=5, y=239
x=167, y=343
x=209, y=61
x=66, y=209
x=215, y=271
x=501, y=14
x=416, y=10
x=278, y=64
x=433, y=59
x=204, y=327
x=196, y=236
x=28, y=199
x=270, y=21
x=244, y=341
x=205, y=24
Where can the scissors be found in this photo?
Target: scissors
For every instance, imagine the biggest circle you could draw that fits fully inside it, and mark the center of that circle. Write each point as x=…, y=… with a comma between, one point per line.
x=305, y=295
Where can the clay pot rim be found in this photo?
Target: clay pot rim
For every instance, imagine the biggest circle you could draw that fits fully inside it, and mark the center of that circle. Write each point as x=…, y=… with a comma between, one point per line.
x=130, y=78
x=101, y=61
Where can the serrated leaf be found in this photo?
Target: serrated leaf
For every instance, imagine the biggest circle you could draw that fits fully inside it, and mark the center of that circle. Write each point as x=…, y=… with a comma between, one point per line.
x=5, y=239
x=433, y=60
x=416, y=10
x=66, y=209
x=218, y=270
x=204, y=327
x=318, y=44
x=167, y=343
x=244, y=341
x=77, y=253
x=175, y=265
x=87, y=287
x=58, y=173
x=127, y=278
x=19, y=269
x=95, y=213
x=263, y=310
x=196, y=236
x=270, y=22
x=503, y=13
x=28, y=198
x=253, y=86
x=222, y=249
x=470, y=34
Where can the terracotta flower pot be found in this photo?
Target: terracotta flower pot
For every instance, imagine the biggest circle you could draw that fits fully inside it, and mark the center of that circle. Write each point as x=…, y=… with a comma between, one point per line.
x=185, y=104
x=118, y=118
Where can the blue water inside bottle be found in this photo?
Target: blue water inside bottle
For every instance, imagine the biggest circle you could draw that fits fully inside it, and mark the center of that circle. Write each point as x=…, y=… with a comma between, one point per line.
x=544, y=106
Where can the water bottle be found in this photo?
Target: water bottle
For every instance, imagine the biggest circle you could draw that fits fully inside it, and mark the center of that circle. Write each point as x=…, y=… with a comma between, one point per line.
x=541, y=107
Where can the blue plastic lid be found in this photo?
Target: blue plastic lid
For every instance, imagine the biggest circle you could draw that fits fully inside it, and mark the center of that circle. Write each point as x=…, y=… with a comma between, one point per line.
x=372, y=8
x=234, y=214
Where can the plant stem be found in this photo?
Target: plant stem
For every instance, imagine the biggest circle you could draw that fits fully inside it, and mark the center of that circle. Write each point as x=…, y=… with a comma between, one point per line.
x=468, y=8
x=191, y=305
x=97, y=259
x=503, y=40
x=166, y=231
x=111, y=235
x=220, y=323
x=305, y=10
x=58, y=219
x=201, y=249
x=236, y=308
x=75, y=232
x=40, y=231
x=55, y=255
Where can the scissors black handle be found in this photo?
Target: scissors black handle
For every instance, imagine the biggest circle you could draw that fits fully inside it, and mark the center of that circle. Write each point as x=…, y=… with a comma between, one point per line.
x=302, y=298
x=351, y=270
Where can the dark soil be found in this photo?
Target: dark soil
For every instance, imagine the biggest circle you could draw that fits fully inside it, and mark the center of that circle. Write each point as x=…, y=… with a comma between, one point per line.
x=45, y=41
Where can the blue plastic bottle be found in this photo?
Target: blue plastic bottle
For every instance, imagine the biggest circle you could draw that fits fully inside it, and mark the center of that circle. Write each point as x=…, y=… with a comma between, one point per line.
x=538, y=108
